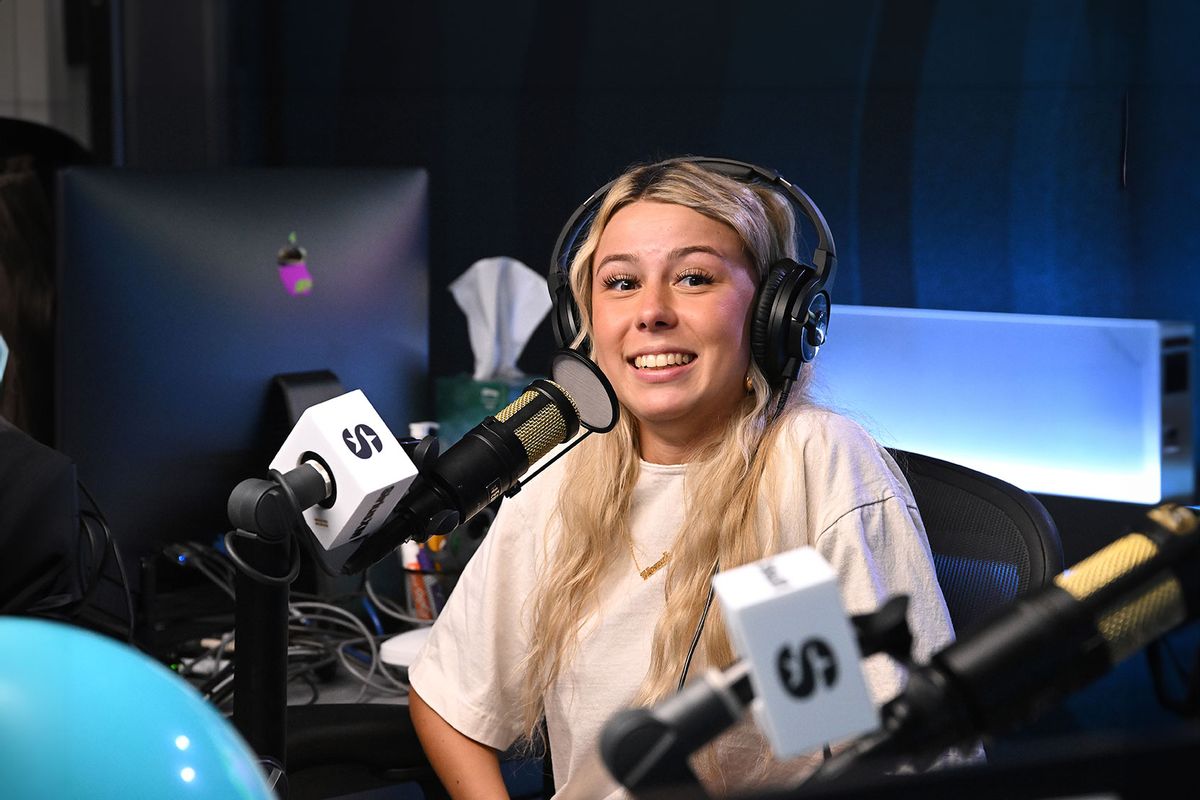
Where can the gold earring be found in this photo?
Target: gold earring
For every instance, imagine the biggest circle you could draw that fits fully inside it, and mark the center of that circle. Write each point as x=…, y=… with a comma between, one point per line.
x=749, y=384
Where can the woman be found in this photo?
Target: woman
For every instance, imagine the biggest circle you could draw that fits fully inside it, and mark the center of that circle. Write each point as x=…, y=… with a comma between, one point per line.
x=587, y=592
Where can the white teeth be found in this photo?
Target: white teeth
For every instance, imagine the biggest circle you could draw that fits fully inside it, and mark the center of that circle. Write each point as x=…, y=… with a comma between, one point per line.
x=661, y=360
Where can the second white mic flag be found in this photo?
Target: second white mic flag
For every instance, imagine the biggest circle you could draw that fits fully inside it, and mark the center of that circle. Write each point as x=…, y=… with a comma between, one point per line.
x=785, y=617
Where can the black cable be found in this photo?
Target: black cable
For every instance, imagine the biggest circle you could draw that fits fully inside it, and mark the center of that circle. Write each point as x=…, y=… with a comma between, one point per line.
x=97, y=555
x=254, y=574
x=516, y=487
x=290, y=496
x=312, y=685
x=298, y=515
x=313, y=648
x=210, y=557
x=112, y=542
x=323, y=647
x=222, y=692
x=687, y=661
x=854, y=755
x=306, y=671
x=783, y=398
x=97, y=551
x=208, y=687
x=125, y=583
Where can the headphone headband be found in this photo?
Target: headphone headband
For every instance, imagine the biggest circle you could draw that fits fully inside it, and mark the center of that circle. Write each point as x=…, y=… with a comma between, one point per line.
x=824, y=259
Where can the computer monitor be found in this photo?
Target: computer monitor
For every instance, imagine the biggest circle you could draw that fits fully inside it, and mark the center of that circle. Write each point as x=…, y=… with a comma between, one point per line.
x=181, y=295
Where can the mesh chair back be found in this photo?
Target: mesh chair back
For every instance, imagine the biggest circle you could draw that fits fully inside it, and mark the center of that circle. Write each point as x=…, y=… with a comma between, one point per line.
x=992, y=542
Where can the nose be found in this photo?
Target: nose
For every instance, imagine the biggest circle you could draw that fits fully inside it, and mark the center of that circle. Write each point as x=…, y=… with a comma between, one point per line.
x=656, y=310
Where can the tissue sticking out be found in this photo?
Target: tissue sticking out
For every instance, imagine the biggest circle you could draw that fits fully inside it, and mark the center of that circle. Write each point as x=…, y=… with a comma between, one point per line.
x=504, y=301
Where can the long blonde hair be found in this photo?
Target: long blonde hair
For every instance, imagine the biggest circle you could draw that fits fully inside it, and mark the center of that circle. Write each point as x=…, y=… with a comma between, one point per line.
x=724, y=476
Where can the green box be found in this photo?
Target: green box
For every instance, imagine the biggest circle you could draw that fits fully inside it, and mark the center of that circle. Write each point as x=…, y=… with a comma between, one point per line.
x=463, y=402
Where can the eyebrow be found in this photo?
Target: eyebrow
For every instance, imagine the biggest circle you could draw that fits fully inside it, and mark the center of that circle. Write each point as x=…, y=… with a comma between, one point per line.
x=674, y=255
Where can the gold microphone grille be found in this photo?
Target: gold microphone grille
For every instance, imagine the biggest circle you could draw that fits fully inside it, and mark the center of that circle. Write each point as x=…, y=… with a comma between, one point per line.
x=539, y=433
x=516, y=405
x=1127, y=626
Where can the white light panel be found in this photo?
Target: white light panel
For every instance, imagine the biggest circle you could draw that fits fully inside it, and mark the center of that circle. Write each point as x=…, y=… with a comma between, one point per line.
x=1066, y=406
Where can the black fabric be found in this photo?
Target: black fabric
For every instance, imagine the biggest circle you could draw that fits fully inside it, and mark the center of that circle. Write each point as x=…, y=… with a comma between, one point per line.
x=992, y=542
x=40, y=535
x=336, y=749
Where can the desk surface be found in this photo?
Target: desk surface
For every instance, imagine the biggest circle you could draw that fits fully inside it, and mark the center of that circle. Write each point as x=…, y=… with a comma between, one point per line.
x=342, y=689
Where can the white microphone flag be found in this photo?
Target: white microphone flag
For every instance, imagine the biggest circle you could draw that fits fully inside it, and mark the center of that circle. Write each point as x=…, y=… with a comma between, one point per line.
x=370, y=470
x=785, y=616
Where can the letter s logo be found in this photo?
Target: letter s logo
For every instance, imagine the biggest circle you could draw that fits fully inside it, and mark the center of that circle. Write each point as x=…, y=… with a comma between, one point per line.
x=800, y=668
x=364, y=442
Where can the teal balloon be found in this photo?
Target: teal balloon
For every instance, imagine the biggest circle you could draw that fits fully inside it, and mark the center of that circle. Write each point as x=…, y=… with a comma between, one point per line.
x=85, y=716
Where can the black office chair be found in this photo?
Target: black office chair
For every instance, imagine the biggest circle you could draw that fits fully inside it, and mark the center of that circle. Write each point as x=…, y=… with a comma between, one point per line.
x=341, y=748
x=992, y=542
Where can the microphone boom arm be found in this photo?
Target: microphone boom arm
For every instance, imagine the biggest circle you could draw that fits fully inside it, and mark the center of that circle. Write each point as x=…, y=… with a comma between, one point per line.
x=1031, y=655
x=646, y=749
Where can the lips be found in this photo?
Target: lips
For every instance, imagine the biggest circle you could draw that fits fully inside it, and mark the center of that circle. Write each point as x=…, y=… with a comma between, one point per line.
x=651, y=361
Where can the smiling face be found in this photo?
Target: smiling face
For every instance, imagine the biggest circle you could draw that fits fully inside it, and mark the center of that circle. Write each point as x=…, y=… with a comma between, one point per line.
x=671, y=296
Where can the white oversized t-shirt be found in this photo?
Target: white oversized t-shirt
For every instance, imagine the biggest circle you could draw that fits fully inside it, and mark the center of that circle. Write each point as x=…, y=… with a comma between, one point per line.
x=840, y=492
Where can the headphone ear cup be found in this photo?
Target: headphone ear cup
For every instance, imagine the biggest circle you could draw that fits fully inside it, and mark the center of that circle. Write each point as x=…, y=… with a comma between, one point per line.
x=778, y=339
x=564, y=313
x=565, y=317
x=816, y=316
x=764, y=343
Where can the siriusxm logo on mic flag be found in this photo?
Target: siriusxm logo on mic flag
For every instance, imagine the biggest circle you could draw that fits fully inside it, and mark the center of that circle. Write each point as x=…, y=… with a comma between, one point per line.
x=364, y=442
x=785, y=617
x=369, y=468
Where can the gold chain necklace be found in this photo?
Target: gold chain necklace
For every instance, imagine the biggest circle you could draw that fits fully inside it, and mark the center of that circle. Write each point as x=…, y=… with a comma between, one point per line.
x=653, y=568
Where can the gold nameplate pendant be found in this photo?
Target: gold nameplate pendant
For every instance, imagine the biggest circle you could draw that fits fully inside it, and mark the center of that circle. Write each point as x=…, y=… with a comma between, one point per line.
x=655, y=567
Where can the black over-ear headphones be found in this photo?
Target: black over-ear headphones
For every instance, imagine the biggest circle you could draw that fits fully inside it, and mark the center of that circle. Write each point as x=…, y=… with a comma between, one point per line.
x=791, y=313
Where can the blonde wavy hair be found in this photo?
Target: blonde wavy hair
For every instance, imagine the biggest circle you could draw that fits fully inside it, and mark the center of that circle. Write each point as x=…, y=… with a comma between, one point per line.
x=724, y=477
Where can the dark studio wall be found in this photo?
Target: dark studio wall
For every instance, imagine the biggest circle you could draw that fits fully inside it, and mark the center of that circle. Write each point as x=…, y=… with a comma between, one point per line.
x=995, y=156
x=1001, y=155
x=988, y=156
